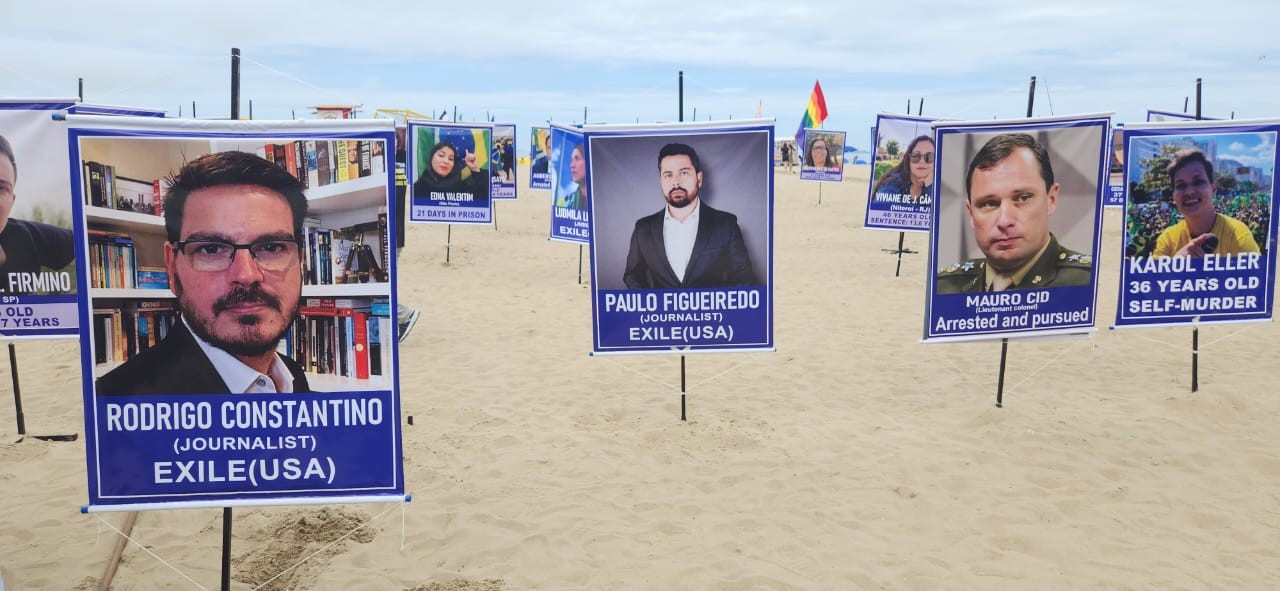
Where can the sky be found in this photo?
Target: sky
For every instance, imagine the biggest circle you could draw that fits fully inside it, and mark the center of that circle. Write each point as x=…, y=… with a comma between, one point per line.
x=530, y=62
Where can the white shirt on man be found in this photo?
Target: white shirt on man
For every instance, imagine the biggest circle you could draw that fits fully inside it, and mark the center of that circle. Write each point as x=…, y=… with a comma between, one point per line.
x=240, y=378
x=678, y=238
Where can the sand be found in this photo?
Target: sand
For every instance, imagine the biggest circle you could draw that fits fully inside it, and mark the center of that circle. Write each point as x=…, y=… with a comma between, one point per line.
x=854, y=457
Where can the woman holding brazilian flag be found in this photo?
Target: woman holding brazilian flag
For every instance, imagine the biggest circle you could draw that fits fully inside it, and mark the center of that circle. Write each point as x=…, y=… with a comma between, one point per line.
x=450, y=170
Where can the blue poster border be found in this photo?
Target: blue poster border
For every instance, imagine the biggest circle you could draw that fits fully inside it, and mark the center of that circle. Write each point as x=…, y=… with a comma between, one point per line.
x=912, y=217
x=538, y=181
x=1134, y=274
x=509, y=190
x=388, y=486
x=825, y=176
x=1076, y=306
x=437, y=214
x=681, y=342
x=568, y=224
x=42, y=308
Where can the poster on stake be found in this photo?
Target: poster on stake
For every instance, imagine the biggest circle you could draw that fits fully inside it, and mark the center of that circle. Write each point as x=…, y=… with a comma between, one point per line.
x=540, y=158
x=38, y=283
x=900, y=193
x=823, y=156
x=449, y=167
x=304, y=313
x=503, y=172
x=681, y=237
x=1016, y=227
x=1198, y=238
x=570, y=206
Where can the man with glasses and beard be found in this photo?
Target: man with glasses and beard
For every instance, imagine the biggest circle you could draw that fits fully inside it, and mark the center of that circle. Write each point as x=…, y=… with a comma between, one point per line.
x=234, y=223
x=688, y=243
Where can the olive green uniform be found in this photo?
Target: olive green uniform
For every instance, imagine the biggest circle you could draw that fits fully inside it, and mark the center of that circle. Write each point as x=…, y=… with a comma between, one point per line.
x=1057, y=267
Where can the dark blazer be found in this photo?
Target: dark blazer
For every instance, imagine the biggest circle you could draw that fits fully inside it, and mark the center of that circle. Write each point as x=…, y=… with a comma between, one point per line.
x=176, y=365
x=719, y=257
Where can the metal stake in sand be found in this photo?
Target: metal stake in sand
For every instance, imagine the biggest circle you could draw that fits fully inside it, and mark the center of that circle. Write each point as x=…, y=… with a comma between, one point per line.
x=1195, y=358
x=226, y=511
x=579, y=264
x=17, y=392
x=226, y=549
x=1195, y=331
x=448, y=241
x=682, y=390
x=1004, y=351
x=1004, y=343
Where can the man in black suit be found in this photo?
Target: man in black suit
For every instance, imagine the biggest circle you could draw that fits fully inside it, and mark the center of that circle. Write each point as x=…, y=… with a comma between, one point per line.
x=687, y=243
x=235, y=306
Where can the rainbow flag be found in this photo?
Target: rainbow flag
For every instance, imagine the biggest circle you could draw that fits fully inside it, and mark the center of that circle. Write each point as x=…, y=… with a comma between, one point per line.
x=815, y=113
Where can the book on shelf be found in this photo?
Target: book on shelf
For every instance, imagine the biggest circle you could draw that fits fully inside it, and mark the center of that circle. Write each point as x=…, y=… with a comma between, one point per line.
x=122, y=332
x=353, y=159
x=153, y=278
x=324, y=163
x=111, y=260
x=338, y=336
x=340, y=161
x=104, y=187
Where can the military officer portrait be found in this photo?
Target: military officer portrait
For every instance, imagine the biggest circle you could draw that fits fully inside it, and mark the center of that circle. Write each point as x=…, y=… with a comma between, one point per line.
x=1011, y=196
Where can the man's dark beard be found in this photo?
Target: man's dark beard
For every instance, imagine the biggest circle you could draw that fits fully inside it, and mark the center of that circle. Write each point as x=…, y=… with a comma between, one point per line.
x=253, y=294
x=682, y=200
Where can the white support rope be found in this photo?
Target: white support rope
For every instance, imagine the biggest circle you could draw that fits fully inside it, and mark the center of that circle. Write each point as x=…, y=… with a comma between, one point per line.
x=1158, y=342
x=731, y=368
x=1229, y=335
x=647, y=377
x=169, y=76
x=1048, y=96
x=1044, y=365
x=327, y=546
x=153, y=554
x=285, y=75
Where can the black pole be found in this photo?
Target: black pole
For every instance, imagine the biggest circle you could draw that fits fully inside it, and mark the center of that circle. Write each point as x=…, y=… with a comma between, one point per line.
x=1197, y=99
x=681, y=95
x=919, y=108
x=448, y=242
x=81, y=89
x=682, y=404
x=695, y=113
x=908, y=106
x=17, y=392
x=584, y=115
x=579, y=264
x=455, y=113
x=251, y=108
x=1004, y=353
x=1185, y=100
x=235, y=83
x=1194, y=360
x=901, y=236
x=226, y=549
x=193, y=109
x=1031, y=96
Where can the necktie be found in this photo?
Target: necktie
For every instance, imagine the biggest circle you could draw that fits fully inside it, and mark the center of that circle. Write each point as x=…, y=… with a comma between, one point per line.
x=1001, y=282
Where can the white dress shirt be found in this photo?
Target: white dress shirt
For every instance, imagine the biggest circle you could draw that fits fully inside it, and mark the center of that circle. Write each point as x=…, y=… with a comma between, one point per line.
x=240, y=378
x=678, y=238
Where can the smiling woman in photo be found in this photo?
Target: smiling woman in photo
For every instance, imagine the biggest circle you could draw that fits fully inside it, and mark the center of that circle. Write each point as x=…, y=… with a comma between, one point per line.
x=1202, y=229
